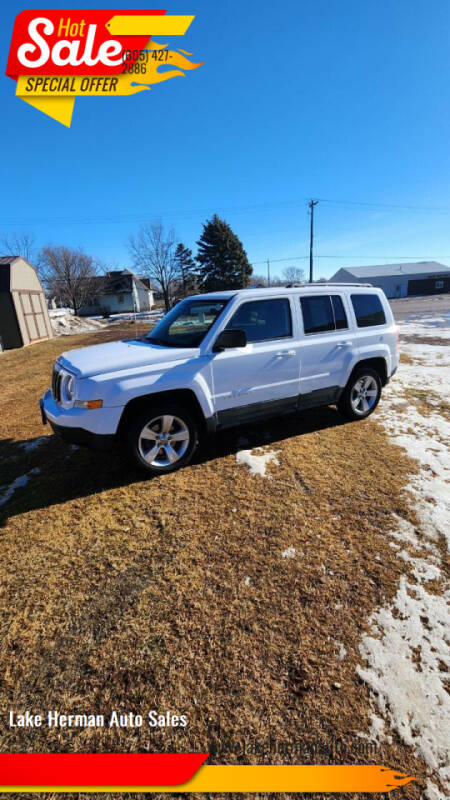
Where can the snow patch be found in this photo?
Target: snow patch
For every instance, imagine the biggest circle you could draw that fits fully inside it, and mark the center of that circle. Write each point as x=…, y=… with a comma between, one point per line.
x=289, y=553
x=377, y=731
x=425, y=330
x=342, y=652
x=33, y=444
x=18, y=483
x=64, y=323
x=256, y=463
x=407, y=654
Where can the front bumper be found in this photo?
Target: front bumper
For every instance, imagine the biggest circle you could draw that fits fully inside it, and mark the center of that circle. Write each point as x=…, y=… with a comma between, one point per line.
x=69, y=425
x=80, y=436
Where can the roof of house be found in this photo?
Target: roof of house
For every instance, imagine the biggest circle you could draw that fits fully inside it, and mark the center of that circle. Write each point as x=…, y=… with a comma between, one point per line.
x=117, y=282
x=146, y=281
x=392, y=270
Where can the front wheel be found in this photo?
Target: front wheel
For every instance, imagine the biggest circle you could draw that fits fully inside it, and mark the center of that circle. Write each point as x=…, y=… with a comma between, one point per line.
x=361, y=395
x=162, y=439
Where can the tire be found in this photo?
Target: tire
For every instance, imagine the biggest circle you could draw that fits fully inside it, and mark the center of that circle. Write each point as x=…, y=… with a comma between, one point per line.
x=162, y=439
x=361, y=395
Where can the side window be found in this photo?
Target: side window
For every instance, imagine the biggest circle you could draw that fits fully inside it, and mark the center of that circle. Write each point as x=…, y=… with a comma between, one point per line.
x=340, y=317
x=317, y=314
x=368, y=310
x=263, y=320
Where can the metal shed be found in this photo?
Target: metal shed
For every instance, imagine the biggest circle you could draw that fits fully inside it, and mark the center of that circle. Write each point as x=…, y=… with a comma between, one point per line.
x=400, y=280
x=24, y=316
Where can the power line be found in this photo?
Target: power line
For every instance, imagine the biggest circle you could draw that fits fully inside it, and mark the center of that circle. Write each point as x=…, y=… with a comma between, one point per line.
x=145, y=216
x=188, y=213
x=431, y=209
x=345, y=258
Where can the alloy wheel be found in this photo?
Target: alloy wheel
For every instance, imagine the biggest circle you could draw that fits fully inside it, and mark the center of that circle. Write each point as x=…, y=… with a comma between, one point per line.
x=364, y=394
x=164, y=440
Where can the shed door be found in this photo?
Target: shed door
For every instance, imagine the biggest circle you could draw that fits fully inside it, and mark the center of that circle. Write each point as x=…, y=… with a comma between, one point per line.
x=33, y=311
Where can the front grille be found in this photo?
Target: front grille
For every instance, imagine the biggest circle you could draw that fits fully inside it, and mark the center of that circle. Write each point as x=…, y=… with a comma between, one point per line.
x=56, y=384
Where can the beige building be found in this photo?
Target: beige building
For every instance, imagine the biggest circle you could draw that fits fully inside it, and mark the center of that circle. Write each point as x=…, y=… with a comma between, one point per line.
x=24, y=316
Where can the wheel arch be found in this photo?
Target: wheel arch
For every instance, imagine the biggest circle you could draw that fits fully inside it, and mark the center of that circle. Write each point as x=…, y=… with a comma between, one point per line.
x=184, y=397
x=378, y=364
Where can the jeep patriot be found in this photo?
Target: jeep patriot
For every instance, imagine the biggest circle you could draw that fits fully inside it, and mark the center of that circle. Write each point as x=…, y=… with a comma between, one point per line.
x=223, y=359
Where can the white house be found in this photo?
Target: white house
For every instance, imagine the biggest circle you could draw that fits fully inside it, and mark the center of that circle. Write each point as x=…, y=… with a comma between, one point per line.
x=118, y=291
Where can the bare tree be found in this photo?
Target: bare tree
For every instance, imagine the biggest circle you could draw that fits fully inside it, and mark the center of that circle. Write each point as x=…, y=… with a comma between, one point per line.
x=293, y=275
x=68, y=275
x=258, y=280
x=153, y=253
x=19, y=244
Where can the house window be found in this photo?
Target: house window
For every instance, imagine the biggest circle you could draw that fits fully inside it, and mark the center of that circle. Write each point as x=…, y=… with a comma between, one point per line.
x=439, y=285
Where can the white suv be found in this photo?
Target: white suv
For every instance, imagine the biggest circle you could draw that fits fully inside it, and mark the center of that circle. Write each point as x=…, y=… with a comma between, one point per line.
x=223, y=359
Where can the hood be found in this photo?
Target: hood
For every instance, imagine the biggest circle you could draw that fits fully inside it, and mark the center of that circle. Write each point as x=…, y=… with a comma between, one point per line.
x=114, y=356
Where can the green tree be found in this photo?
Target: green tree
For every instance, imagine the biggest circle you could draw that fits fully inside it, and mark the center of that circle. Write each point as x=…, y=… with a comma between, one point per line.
x=222, y=258
x=186, y=269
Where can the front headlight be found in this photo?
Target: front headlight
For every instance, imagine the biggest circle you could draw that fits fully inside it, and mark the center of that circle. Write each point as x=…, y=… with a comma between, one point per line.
x=67, y=389
x=70, y=388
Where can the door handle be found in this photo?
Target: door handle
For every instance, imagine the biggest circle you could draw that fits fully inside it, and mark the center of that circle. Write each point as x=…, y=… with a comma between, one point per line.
x=286, y=353
x=344, y=344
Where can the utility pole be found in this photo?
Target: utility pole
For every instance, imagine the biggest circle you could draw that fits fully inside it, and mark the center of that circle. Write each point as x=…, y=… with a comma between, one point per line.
x=311, y=204
x=268, y=272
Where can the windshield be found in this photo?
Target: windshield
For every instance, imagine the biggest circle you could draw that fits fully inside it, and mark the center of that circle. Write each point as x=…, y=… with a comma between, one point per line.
x=187, y=323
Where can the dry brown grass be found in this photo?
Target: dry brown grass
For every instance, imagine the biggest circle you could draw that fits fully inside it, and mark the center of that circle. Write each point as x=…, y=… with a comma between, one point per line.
x=119, y=592
x=428, y=402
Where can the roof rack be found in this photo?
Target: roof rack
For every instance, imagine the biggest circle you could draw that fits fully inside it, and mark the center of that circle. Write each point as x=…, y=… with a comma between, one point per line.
x=325, y=283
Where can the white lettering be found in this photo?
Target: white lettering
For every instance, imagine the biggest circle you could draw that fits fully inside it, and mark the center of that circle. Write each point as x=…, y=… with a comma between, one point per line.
x=67, y=52
x=24, y=49
x=71, y=59
x=108, y=49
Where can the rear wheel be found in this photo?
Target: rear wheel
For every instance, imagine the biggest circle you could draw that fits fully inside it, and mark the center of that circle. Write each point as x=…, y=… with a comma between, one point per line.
x=361, y=395
x=162, y=439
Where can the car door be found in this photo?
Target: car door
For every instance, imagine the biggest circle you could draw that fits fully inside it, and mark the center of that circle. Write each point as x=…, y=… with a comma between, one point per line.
x=264, y=375
x=328, y=345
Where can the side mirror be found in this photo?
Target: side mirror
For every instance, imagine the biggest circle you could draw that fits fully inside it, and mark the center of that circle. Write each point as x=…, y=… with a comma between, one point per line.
x=229, y=338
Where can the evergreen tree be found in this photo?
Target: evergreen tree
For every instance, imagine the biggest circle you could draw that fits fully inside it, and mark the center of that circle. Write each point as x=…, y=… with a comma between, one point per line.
x=187, y=273
x=222, y=258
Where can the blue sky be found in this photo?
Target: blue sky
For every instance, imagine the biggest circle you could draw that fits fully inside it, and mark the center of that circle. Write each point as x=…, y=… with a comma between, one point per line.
x=343, y=100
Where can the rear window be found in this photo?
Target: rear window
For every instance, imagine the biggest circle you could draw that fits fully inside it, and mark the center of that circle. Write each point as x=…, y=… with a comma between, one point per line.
x=317, y=314
x=323, y=313
x=368, y=310
x=340, y=318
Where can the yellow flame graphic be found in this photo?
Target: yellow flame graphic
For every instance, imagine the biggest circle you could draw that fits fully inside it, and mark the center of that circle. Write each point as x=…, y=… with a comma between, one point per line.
x=57, y=97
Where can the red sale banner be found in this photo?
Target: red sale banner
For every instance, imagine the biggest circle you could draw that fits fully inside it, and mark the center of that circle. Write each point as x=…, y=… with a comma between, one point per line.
x=70, y=43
